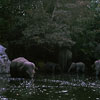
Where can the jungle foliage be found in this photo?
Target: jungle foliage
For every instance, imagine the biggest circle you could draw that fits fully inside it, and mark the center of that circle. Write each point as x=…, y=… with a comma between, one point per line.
x=48, y=25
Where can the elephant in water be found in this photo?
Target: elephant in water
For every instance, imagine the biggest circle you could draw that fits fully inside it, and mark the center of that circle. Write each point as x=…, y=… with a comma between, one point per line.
x=22, y=68
x=97, y=67
x=78, y=67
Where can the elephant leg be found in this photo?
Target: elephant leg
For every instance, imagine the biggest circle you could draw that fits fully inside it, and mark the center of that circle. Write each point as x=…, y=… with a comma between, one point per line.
x=97, y=74
x=69, y=69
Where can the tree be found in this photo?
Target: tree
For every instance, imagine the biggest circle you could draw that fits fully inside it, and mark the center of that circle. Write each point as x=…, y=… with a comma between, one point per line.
x=85, y=32
x=27, y=23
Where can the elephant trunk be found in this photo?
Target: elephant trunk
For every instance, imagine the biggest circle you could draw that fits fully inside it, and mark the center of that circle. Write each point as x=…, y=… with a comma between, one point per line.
x=69, y=69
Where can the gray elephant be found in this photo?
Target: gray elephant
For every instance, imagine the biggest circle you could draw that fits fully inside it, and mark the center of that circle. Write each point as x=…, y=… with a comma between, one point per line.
x=4, y=61
x=22, y=68
x=97, y=68
x=52, y=67
x=78, y=67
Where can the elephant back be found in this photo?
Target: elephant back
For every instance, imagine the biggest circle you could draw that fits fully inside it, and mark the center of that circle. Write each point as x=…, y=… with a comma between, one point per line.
x=80, y=66
x=20, y=59
x=30, y=64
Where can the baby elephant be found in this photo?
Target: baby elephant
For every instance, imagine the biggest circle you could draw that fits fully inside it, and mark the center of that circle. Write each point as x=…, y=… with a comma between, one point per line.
x=22, y=68
x=78, y=67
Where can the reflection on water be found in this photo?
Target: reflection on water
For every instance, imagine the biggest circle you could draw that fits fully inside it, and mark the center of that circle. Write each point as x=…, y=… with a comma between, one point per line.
x=43, y=87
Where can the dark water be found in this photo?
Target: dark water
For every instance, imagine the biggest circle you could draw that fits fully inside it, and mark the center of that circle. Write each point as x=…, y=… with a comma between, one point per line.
x=50, y=87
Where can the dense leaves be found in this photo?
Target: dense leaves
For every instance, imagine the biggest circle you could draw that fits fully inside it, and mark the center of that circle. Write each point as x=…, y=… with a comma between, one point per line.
x=52, y=24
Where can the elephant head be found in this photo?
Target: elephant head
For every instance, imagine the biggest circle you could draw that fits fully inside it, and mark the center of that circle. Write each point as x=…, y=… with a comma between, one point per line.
x=78, y=67
x=21, y=67
x=72, y=66
x=28, y=68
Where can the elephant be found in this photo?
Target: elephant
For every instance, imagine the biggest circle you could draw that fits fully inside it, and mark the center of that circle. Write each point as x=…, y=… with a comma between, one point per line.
x=52, y=67
x=97, y=68
x=22, y=68
x=78, y=67
x=4, y=61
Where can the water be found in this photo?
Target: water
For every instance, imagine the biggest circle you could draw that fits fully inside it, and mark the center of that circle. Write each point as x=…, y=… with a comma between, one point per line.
x=50, y=87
